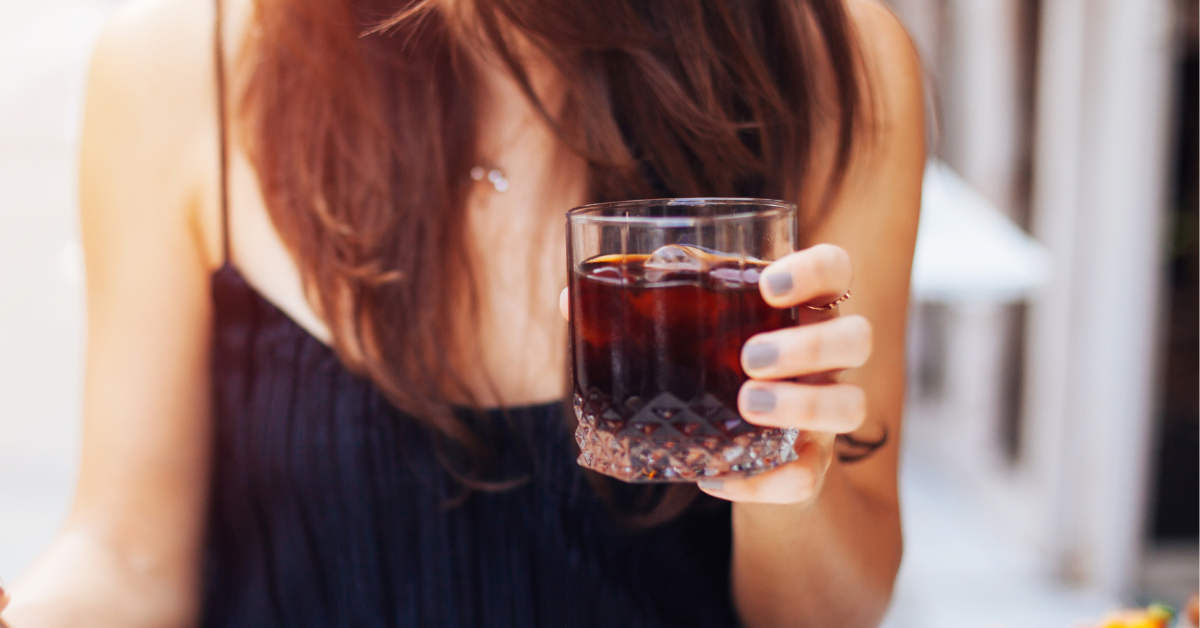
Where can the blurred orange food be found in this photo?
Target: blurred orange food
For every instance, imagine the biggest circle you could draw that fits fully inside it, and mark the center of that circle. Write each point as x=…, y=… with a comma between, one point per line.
x=1156, y=616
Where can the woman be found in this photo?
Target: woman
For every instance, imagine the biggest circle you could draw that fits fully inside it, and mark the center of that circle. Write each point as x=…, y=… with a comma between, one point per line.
x=297, y=291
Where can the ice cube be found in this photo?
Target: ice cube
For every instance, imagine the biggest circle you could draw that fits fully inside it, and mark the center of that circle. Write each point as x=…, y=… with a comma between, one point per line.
x=735, y=277
x=677, y=258
x=684, y=257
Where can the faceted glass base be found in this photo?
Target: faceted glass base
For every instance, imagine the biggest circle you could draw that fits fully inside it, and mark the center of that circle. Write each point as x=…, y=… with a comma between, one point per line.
x=668, y=440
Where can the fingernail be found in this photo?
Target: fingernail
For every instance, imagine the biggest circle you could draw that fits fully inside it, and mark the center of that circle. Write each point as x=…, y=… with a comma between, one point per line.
x=760, y=355
x=712, y=485
x=779, y=283
x=760, y=400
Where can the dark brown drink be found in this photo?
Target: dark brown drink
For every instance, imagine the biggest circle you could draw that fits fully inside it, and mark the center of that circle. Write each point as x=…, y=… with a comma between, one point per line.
x=656, y=356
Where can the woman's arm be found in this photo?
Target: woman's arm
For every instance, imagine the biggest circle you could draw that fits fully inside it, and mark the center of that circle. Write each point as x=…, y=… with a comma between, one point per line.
x=128, y=554
x=831, y=559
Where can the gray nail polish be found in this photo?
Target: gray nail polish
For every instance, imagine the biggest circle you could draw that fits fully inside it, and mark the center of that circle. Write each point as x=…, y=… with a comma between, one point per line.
x=779, y=282
x=760, y=400
x=760, y=355
x=712, y=485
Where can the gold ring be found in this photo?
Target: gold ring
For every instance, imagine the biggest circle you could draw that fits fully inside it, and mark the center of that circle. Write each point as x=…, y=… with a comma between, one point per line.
x=828, y=306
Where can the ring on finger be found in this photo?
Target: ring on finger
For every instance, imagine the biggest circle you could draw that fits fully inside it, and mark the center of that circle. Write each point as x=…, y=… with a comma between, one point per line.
x=828, y=306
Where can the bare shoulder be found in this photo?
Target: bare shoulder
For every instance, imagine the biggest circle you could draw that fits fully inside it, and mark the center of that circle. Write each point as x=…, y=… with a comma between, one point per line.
x=879, y=26
x=883, y=182
x=891, y=137
x=149, y=137
x=153, y=65
x=174, y=29
x=891, y=64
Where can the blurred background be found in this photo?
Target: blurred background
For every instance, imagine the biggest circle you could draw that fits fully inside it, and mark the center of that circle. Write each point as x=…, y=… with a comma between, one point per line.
x=1050, y=468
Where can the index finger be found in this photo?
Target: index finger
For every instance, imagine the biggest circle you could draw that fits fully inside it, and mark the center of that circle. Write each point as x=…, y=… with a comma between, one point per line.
x=819, y=275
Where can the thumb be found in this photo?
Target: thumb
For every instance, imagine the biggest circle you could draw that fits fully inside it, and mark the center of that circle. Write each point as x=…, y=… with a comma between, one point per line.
x=562, y=304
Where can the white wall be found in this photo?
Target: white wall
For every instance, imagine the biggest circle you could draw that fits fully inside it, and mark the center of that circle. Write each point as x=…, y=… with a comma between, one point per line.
x=43, y=51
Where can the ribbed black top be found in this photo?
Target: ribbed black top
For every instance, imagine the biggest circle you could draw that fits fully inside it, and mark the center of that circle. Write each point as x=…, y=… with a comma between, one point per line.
x=329, y=509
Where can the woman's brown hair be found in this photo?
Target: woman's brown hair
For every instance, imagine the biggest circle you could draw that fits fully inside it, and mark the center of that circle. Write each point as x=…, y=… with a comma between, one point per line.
x=360, y=117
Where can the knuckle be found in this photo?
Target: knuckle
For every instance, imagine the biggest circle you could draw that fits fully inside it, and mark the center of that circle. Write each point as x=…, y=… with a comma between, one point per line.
x=807, y=404
x=868, y=333
x=831, y=264
x=860, y=334
x=808, y=348
x=839, y=258
x=822, y=265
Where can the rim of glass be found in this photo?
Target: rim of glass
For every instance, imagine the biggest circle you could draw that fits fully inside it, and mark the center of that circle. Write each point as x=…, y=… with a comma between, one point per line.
x=767, y=208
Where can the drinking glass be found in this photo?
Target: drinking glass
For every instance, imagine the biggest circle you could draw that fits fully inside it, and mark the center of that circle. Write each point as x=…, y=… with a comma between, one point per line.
x=664, y=293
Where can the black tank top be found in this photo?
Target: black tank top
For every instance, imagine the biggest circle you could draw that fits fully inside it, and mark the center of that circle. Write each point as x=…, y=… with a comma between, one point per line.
x=330, y=509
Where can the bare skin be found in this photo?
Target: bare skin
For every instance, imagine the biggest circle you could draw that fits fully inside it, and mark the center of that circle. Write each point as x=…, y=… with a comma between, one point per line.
x=816, y=543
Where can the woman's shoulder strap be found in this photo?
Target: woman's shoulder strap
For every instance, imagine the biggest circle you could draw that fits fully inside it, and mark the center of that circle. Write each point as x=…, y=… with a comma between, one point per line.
x=223, y=176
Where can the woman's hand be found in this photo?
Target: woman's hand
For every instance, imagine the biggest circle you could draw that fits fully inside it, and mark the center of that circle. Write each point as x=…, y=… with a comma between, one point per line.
x=794, y=375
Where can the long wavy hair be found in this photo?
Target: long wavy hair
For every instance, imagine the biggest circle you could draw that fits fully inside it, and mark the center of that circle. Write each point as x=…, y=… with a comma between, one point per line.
x=360, y=117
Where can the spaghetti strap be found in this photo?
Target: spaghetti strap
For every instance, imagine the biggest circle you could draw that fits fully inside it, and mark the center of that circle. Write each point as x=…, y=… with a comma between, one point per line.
x=219, y=64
